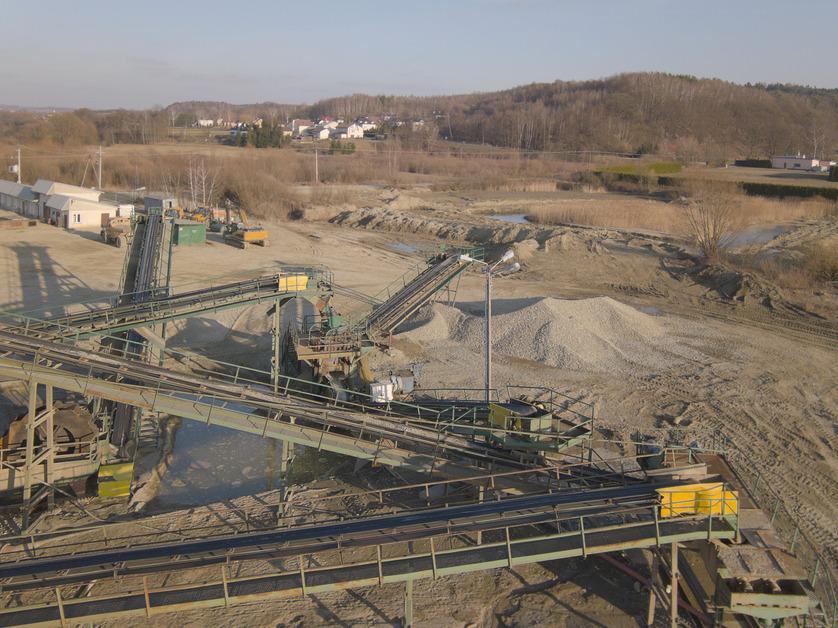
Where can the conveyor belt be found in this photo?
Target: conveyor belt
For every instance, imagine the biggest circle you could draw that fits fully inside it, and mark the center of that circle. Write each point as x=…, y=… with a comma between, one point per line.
x=489, y=513
x=411, y=560
x=387, y=439
x=111, y=320
x=416, y=293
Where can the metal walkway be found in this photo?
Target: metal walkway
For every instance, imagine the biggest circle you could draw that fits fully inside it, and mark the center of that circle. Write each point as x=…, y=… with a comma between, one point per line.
x=286, y=283
x=388, y=438
x=391, y=548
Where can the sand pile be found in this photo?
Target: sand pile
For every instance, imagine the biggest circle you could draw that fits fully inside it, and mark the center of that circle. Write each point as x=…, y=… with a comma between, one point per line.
x=593, y=335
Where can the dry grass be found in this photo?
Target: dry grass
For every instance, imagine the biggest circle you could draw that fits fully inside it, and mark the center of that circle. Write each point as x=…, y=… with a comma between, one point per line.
x=628, y=213
x=810, y=268
x=821, y=262
x=670, y=217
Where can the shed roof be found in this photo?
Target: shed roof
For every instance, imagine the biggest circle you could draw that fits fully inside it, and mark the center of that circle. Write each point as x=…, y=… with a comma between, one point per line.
x=16, y=189
x=44, y=186
x=60, y=202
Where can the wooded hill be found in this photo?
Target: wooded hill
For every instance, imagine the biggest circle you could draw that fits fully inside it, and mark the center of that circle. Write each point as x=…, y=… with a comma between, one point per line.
x=692, y=119
x=643, y=112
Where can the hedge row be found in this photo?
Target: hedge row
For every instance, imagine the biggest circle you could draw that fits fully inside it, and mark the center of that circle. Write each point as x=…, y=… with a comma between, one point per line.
x=658, y=167
x=752, y=163
x=781, y=191
x=771, y=190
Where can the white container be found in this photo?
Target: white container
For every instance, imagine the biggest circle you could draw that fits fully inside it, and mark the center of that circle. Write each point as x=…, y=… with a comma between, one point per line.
x=381, y=392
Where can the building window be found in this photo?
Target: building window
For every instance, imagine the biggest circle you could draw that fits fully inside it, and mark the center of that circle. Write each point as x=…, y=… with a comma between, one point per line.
x=76, y=218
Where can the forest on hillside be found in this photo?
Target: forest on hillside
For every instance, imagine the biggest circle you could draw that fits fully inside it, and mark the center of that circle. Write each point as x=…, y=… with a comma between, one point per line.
x=693, y=119
x=689, y=118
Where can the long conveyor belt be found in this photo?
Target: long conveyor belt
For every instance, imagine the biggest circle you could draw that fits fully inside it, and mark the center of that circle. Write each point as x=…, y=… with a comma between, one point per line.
x=391, y=440
x=516, y=531
x=111, y=320
x=308, y=538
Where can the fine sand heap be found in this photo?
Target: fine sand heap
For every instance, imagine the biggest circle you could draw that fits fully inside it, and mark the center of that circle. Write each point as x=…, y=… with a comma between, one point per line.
x=593, y=335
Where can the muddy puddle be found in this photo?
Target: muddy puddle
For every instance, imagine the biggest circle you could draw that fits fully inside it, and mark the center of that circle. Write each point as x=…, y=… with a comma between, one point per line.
x=518, y=219
x=210, y=463
x=756, y=235
x=403, y=247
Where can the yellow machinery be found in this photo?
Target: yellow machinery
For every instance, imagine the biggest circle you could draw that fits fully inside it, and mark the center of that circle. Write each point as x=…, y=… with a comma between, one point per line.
x=115, y=479
x=116, y=231
x=293, y=283
x=698, y=499
x=244, y=233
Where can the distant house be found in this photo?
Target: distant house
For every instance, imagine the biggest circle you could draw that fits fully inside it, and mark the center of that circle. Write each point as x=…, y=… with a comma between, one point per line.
x=347, y=131
x=299, y=126
x=368, y=124
x=206, y=123
x=318, y=132
x=795, y=162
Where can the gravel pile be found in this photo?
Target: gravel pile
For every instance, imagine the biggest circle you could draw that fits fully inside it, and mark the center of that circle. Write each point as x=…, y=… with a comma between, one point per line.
x=593, y=335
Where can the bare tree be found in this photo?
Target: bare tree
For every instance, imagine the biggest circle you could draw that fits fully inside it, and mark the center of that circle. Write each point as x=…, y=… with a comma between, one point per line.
x=710, y=215
x=170, y=182
x=201, y=181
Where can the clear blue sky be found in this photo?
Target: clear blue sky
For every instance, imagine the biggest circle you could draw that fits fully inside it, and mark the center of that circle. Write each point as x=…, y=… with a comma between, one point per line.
x=119, y=53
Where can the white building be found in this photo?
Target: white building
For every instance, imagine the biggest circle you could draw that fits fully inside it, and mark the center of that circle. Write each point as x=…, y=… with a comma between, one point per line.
x=792, y=162
x=299, y=126
x=318, y=133
x=18, y=198
x=44, y=190
x=348, y=131
x=74, y=213
x=206, y=123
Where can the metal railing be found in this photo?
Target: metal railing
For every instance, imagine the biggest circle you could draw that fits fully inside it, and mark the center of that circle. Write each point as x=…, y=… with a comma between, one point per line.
x=80, y=325
x=635, y=512
x=821, y=571
x=14, y=458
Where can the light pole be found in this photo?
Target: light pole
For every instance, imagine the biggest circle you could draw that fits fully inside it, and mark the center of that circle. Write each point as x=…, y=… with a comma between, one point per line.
x=491, y=270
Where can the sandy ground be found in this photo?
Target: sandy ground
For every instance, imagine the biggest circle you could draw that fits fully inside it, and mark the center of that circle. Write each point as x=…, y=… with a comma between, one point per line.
x=667, y=351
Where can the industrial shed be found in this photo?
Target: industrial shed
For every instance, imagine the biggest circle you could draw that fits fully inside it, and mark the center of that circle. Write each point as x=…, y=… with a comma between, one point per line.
x=18, y=198
x=75, y=213
x=45, y=190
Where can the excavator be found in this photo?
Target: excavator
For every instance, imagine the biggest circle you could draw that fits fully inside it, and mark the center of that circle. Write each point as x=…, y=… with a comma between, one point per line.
x=241, y=234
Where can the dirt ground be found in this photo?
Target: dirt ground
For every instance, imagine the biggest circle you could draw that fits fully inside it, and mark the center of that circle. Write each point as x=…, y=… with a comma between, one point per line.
x=718, y=351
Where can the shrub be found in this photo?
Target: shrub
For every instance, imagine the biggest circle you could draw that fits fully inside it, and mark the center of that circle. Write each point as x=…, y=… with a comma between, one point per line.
x=296, y=213
x=822, y=262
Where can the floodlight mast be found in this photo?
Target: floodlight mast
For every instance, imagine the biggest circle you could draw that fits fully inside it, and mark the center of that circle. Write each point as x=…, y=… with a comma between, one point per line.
x=487, y=340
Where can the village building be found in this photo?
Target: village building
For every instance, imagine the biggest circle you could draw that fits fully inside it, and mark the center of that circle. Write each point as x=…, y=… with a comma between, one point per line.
x=795, y=162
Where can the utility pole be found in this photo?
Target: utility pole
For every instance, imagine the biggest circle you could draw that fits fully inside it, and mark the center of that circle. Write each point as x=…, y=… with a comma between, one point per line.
x=316, y=166
x=100, y=168
x=18, y=164
x=488, y=338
